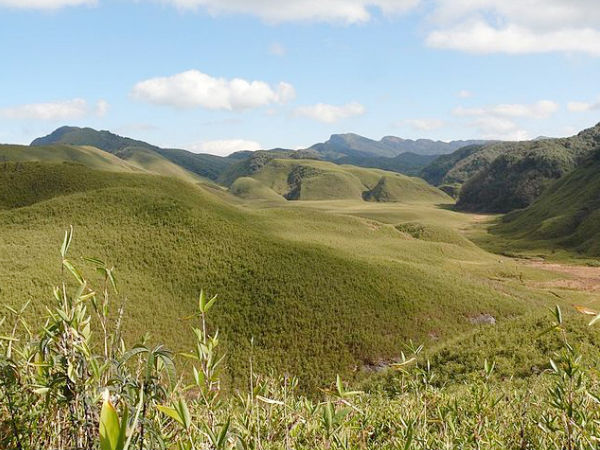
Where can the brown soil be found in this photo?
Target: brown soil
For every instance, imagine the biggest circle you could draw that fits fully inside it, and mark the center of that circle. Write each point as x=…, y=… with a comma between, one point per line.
x=581, y=278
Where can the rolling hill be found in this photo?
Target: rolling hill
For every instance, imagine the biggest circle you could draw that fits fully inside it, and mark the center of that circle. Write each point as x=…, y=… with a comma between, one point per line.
x=203, y=165
x=320, y=288
x=307, y=179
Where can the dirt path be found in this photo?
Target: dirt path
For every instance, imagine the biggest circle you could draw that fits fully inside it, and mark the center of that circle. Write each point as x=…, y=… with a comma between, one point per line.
x=581, y=278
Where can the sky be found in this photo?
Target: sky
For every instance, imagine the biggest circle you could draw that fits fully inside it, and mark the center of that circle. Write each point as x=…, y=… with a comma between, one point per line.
x=217, y=76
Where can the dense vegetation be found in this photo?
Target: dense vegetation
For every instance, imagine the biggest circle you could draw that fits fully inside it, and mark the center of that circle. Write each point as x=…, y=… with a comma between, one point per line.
x=169, y=237
x=566, y=216
x=72, y=382
x=504, y=176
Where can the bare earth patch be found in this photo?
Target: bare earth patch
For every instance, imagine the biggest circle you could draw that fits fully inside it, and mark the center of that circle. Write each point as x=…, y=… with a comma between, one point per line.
x=581, y=278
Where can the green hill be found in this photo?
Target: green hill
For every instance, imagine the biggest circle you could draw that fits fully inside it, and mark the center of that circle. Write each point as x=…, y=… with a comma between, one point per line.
x=566, y=216
x=306, y=179
x=154, y=162
x=206, y=166
x=88, y=156
x=320, y=291
x=504, y=176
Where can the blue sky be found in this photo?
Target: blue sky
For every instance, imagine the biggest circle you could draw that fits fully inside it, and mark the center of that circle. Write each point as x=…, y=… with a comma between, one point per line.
x=221, y=75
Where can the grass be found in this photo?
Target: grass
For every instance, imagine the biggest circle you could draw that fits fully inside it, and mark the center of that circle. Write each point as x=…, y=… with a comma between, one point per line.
x=304, y=179
x=320, y=286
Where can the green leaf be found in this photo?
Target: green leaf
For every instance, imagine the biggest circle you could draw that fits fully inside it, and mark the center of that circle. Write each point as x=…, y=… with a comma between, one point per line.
x=210, y=303
x=73, y=270
x=110, y=429
x=171, y=412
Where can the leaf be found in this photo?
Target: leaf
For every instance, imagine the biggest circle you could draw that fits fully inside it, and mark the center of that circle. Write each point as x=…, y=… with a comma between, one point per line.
x=110, y=430
x=171, y=412
x=73, y=270
x=594, y=320
x=184, y=412
x=270, y=401
x=66, y=241
x=210, y=303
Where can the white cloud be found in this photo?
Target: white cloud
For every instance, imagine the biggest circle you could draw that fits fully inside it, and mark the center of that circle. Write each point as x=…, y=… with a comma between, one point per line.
x=516, y=26
x=196, y=89
x=330, y=113
x=425, y=124
x=348, y=11
x=465, y=94
x=491, y=127
x=102, y=108
x=583, y=106
x=480, y=37
x=537, y=110
x=76, y=108
x=224, y=147
x=498, y=121
x=277, y=49
x=44, y=4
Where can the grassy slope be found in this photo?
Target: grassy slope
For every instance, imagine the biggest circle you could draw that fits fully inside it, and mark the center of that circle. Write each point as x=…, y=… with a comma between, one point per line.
x=303, y=179
x=566, y=216
x=155, y=163
x=88, y=156
x=320, y=286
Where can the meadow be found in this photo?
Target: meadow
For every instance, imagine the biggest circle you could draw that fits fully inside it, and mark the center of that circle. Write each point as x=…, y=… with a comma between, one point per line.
x=307, y=291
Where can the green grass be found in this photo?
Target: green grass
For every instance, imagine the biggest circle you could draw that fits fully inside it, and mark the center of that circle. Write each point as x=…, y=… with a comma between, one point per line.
x=321, y=286
x=304, y=179
x=153, y=162
x=88, y=156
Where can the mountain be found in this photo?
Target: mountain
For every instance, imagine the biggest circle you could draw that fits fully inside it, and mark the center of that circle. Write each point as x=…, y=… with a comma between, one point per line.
x=354, y=145
x=202, y=165
x=506, y=176
x=390, y=153
x=566, y=215
x=503, y=176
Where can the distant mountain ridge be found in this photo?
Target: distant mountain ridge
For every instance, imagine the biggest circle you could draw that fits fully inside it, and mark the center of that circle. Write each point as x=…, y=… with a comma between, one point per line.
x=354, y=145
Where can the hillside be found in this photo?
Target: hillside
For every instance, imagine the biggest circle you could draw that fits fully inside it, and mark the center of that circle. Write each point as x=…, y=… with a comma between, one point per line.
x=307, y=179
x=566, y=216
x=503, y=176
x=203, y=165
x=168, y=239
x=88, y=156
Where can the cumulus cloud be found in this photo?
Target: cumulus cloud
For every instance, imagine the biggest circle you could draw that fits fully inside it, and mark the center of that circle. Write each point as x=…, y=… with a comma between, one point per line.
x=537, y=110
x=192, y=89
x=490, y=127
x=76, y=108
x=498, y=121
x=102, y=108
x=224, y=147
x=348, y=11
x=583, y=106
x=465, y=94
x=44, y=4
x=425, y=124
x=323, y=112
x=516, y=26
